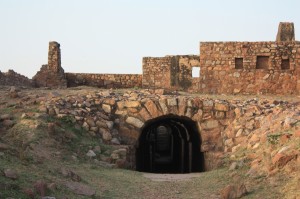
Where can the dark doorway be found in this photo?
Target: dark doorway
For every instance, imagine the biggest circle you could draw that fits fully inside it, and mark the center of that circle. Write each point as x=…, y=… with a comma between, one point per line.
x=285, y=64
x=169, y=144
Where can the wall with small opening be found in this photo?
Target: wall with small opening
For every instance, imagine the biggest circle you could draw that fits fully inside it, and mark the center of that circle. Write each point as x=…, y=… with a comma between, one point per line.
x=187, y=63
x=196, y=71
x=170, y=72
x=265, y=67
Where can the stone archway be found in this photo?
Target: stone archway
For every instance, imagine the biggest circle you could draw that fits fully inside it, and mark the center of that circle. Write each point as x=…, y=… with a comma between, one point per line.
x=169, y=144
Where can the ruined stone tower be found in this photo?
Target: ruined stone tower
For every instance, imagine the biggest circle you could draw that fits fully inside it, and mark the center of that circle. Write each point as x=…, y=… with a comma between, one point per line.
x=285, y=32
x=51, y=75
x=54, y=57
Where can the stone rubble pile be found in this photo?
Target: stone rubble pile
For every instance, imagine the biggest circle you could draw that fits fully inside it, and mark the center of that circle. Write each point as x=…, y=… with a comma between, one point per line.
x=11, y=78
x=265, y=134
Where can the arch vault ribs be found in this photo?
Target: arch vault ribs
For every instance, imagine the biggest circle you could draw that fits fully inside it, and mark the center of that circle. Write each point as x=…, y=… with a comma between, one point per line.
x=169, y=144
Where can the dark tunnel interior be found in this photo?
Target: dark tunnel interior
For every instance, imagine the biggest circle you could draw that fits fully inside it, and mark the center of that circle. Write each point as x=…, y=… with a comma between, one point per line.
x=169, y=144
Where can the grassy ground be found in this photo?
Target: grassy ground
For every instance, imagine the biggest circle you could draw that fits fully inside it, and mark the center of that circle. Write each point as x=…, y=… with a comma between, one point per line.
x=118, y=183
x=36, y=155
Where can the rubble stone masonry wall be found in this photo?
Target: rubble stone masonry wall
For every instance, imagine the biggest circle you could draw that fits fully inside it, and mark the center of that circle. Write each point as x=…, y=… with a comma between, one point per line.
x=157, y=72
x=171, y=72
x=49, y=78
x=250, y=67
x=182, y=74
x=11, y=78
x=104, y=80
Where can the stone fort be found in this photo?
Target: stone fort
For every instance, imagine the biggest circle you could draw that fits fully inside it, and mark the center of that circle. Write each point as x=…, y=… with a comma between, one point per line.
x=198, y=129
x=226, y=68
x=269, y=67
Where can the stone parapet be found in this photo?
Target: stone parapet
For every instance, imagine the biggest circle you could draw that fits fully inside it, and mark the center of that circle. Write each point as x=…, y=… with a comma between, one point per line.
x=104, y=80
x=249, y=67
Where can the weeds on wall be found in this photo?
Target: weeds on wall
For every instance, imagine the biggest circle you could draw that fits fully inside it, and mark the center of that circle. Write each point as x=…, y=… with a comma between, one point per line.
x=274, y=138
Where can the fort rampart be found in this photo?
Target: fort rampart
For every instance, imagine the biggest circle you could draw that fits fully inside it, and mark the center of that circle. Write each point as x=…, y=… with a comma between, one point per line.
x=104, y=80
x=271, y=67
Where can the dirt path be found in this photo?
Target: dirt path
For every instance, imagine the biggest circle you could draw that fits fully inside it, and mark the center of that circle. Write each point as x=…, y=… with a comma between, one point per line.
x=171, y=177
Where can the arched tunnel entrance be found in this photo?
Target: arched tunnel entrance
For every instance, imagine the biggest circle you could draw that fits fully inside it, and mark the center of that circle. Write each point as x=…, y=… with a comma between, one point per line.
x=169, y=144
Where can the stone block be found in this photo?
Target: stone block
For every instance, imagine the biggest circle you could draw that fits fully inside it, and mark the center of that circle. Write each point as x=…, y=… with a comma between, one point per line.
x=210, y=124
x=220, y=115
x=135, y=122
x=132, y=104
x=152, y=109
x=198, y=115
x=221, y=107
x=172, y=102
x=163, y=106
x=106, y=108
x=181, y=105
x=144, y=114
x=208, y=104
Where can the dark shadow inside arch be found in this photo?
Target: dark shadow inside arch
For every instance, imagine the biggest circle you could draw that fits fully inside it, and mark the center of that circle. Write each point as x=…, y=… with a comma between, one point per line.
x=169, y=144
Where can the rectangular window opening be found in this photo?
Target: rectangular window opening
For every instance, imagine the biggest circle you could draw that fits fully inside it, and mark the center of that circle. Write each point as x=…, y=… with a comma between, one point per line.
x=285, y=64
x=262, y=62
x=196, y=72
x=238, y=63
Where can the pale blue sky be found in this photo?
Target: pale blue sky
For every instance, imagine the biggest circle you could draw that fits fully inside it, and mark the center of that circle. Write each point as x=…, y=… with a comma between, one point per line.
x=112, y=36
